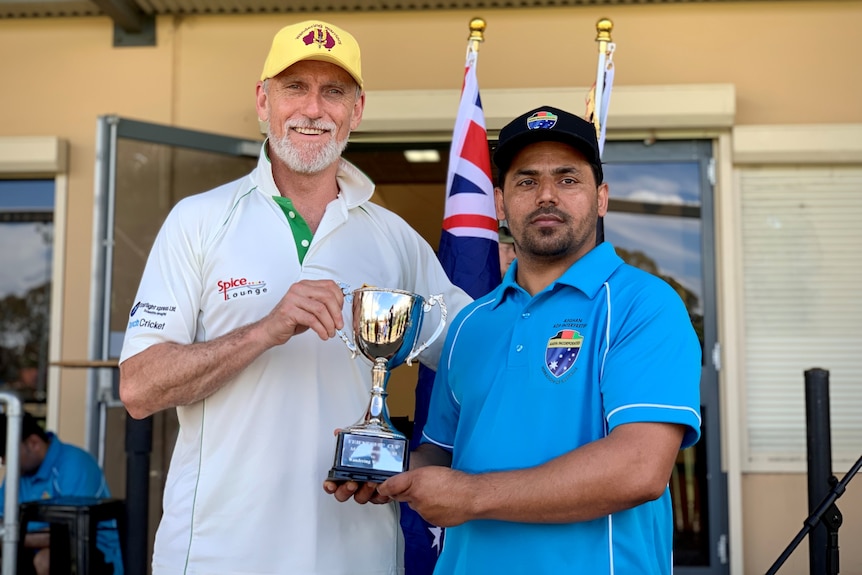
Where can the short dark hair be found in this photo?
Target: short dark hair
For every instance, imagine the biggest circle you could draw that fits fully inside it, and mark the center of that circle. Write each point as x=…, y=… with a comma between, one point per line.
x=29, y=426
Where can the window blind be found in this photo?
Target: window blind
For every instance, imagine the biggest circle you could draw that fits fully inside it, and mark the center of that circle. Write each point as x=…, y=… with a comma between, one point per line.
x=802, y=274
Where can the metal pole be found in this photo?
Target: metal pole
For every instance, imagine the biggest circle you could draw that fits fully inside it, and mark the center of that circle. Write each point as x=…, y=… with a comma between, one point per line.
x=14, y=417
x=139, y=445
x=819, y=460
x=100, y=278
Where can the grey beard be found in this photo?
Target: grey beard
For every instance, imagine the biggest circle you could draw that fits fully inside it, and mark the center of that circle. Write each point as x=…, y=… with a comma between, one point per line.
x=307, y=159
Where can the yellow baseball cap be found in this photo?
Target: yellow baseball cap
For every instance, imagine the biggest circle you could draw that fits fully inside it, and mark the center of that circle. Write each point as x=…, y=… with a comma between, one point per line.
x=313, y=40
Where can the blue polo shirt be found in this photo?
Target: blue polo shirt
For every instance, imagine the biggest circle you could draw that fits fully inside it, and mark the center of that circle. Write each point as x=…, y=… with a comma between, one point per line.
x=69, y=471
x=524, y=379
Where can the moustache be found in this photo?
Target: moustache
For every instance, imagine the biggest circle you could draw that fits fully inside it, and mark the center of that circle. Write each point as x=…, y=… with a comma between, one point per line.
x=548, y=211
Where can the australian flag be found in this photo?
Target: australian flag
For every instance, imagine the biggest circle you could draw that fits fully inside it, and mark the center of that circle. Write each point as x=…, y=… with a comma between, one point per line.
x=562, y=351
x=469, y=255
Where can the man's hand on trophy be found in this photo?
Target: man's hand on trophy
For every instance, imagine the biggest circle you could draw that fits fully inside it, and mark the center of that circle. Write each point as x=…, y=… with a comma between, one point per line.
x=442, y=496
x=308, y=304
x=360, y=492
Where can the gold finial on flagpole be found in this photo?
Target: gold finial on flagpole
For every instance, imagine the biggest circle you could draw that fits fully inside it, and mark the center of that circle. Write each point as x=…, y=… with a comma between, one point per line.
x=603, y=31
x=477, y=33
x=603, y=37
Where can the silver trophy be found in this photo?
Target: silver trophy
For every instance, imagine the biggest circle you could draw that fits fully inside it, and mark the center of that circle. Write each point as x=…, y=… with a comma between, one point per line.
x=386, y=326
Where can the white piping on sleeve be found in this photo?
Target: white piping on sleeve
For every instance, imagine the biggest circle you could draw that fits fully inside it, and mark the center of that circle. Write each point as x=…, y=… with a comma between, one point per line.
x=611, y=544
x=437, y=443
x=607, y=332
x=656, y=405
x=458, y=331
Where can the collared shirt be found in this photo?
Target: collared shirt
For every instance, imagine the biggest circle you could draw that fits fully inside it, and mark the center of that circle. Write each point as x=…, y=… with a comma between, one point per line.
x=524, y=379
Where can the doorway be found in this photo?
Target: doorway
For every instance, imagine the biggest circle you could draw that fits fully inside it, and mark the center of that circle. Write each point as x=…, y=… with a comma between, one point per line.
x=661, y=219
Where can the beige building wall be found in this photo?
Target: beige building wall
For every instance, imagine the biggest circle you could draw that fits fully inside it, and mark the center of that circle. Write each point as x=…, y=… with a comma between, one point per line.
x=789, y=63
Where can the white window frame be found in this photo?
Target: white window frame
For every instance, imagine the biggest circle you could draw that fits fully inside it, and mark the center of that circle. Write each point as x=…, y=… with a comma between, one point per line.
x=45, y=157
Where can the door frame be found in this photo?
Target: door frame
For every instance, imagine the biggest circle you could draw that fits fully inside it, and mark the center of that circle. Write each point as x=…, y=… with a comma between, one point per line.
x=104, y=346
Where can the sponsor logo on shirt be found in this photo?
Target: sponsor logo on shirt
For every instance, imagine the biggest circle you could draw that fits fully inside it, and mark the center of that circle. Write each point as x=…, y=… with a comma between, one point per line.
x=143, y=322
x=562, y=352
x=240, y=287
x=152, y=309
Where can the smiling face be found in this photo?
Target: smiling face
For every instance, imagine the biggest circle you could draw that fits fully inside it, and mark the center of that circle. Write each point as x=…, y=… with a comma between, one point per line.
x=551, y=202
x=311, y=108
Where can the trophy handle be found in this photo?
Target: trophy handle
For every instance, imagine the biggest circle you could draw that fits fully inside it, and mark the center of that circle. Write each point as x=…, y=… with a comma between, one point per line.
x=438, y=299
x=348, y=298
x=350, y=345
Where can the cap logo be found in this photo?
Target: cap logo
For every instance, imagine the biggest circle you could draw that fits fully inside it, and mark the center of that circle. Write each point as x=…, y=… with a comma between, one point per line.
x=320, y=36
x=542, y=121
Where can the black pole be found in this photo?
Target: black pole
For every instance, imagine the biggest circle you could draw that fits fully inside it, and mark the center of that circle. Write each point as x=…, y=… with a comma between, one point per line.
x=819, y=441
x=139, y=445
x=827, y=513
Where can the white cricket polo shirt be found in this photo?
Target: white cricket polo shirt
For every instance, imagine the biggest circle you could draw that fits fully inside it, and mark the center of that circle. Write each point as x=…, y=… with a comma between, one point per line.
x=244, y=490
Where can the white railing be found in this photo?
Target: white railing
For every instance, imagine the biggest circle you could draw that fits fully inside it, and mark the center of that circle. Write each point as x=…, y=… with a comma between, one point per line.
x=14, y=416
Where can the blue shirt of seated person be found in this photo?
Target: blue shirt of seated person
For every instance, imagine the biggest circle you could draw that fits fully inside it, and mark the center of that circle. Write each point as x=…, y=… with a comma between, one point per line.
x=51, y=469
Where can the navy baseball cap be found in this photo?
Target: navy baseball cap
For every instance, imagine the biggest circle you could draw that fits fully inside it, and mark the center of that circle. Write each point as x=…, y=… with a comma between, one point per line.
x=548, y=124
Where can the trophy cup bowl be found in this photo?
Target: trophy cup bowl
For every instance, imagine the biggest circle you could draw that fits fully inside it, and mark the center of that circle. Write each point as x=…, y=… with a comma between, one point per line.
x=386, y=327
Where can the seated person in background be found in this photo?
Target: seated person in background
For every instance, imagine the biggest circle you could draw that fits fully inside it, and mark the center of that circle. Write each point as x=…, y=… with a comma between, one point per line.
x=52, y=469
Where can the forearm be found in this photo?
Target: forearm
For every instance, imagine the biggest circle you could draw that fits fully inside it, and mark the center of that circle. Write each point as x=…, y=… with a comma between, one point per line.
x=430, y=454
x=38, y=540
x=170, y=374
x=616, y=473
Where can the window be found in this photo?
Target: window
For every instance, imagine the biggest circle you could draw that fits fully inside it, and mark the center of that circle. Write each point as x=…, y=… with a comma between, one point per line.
x=27, y=234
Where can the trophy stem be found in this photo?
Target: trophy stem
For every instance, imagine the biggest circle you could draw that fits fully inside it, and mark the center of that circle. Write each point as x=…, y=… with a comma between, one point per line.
x=376, y=419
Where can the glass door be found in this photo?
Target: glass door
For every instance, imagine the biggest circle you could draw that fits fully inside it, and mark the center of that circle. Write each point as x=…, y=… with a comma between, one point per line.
x=661, y=220
x=142, y=171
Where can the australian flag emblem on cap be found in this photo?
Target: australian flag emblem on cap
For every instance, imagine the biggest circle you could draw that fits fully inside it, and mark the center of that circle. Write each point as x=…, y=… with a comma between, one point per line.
x=562, y=351
x=541, y=121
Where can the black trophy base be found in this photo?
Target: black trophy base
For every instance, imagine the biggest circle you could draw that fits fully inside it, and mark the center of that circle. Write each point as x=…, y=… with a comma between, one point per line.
x=368, y=458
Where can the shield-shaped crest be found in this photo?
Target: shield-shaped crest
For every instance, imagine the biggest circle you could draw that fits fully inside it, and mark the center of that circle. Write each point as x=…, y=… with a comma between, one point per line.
x=562, y=351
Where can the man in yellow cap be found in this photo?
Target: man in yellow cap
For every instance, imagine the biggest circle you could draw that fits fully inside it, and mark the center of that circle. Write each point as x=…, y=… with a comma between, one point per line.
x=235, y=327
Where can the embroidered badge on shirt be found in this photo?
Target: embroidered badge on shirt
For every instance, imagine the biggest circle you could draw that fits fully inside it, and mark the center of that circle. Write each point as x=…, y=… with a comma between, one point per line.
x=562, y=351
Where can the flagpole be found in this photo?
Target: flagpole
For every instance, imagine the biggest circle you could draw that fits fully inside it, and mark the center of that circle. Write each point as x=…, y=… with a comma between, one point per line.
x=468, y=253
x=603, y=37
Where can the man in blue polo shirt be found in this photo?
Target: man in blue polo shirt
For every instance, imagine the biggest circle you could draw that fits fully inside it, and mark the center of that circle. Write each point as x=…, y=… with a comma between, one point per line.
x=563, y=397
x=51, y=469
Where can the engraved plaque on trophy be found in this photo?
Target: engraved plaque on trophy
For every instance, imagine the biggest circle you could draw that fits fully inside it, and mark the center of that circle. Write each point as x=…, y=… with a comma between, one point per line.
x=386, y=326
